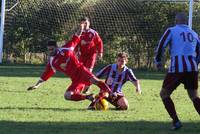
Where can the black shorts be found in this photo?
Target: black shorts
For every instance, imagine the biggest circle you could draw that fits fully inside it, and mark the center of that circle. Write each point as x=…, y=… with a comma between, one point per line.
x=188, y=79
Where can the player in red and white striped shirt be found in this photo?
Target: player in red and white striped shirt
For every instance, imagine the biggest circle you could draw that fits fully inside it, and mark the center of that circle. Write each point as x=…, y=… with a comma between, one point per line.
x=64, y=60
x=184, y=47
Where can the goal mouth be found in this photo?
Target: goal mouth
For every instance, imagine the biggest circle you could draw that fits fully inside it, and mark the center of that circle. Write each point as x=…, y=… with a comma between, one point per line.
x=133, y=26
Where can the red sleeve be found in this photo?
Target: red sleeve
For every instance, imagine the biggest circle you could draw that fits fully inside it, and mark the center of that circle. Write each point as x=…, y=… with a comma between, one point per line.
x=73, y=42
x=47, y=73
x=99, y=43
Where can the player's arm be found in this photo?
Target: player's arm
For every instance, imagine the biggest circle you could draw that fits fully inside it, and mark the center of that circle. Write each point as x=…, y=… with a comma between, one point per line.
x=40, y=81
x=198, y=51
x=137, y=85
x=164, y=41
x=131, y=77
x=75, y=39
x=49, y=71
x=99, y=43
x=72, y=43
x=103, y=72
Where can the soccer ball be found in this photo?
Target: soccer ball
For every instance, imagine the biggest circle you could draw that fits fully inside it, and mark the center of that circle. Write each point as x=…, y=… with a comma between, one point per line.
x=101, y=105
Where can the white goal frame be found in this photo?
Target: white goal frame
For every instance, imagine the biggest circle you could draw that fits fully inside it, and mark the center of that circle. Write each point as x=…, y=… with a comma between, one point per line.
x=3, y=10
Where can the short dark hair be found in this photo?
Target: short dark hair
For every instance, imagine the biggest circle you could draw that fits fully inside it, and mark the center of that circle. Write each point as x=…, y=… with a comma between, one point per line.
x=52, y=43
x=123, y=55
x=181, y=18
x=84, y=19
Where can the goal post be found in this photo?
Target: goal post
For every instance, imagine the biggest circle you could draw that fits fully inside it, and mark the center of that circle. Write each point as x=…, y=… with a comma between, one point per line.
x=3, y=4
x=190, y=13
x=3, y=11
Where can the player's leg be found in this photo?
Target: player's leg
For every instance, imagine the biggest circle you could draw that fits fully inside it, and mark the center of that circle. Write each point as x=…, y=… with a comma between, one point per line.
x=119, y=101
x=102, y=85
x=89, y=64
x=193, y=94
x=191, y=84
x=104, y=91
x=73, y=93
x=87, y=90
x=170, y=83
x=122, y=103
x=88, y=78
x=89, y=61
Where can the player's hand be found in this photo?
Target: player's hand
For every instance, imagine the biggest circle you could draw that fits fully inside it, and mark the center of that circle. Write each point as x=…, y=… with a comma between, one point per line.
x=100, y=55
x=32, y=88
x=82, y=26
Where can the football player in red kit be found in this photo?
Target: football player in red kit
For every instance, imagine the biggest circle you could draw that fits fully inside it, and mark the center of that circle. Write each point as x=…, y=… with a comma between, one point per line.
x=90, y=46
x=64, y=60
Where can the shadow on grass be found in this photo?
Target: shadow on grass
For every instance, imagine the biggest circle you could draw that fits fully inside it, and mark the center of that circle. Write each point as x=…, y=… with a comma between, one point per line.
x=51, y=109
x=13, y=91
x=24, y=71
x=42, y=108
x=36, y=70
x=119, y=127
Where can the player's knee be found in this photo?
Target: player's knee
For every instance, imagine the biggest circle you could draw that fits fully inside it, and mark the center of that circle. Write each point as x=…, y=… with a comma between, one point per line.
x=122, y=104
x=68, y=95
x=164, y=94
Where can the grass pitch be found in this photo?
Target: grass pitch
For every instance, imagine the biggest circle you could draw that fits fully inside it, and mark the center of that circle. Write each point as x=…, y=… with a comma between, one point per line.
x=44, y=111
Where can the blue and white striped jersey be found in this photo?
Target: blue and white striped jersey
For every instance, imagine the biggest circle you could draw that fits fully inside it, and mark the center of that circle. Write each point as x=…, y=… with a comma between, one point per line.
x=115, y=79
x=184, y=47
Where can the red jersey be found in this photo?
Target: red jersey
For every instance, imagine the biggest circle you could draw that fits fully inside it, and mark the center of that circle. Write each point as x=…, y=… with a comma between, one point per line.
x=90, y=43
x=64, y=61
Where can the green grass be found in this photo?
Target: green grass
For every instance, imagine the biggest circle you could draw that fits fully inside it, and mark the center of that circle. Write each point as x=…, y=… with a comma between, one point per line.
x=45, y=110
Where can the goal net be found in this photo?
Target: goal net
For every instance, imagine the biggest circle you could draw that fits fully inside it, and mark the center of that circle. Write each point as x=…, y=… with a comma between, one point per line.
x=133, y=26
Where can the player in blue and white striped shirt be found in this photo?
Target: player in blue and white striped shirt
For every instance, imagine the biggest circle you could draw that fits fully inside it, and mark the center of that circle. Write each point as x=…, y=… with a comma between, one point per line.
x=116, y=75
x=184, y=46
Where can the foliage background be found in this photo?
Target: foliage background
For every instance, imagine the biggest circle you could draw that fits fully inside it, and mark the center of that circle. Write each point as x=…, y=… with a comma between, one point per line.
x=134, y=26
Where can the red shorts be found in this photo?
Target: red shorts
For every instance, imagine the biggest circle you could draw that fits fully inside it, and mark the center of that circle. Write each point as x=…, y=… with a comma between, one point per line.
x=81, y=80
x=88, y=60
x=173, y=80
